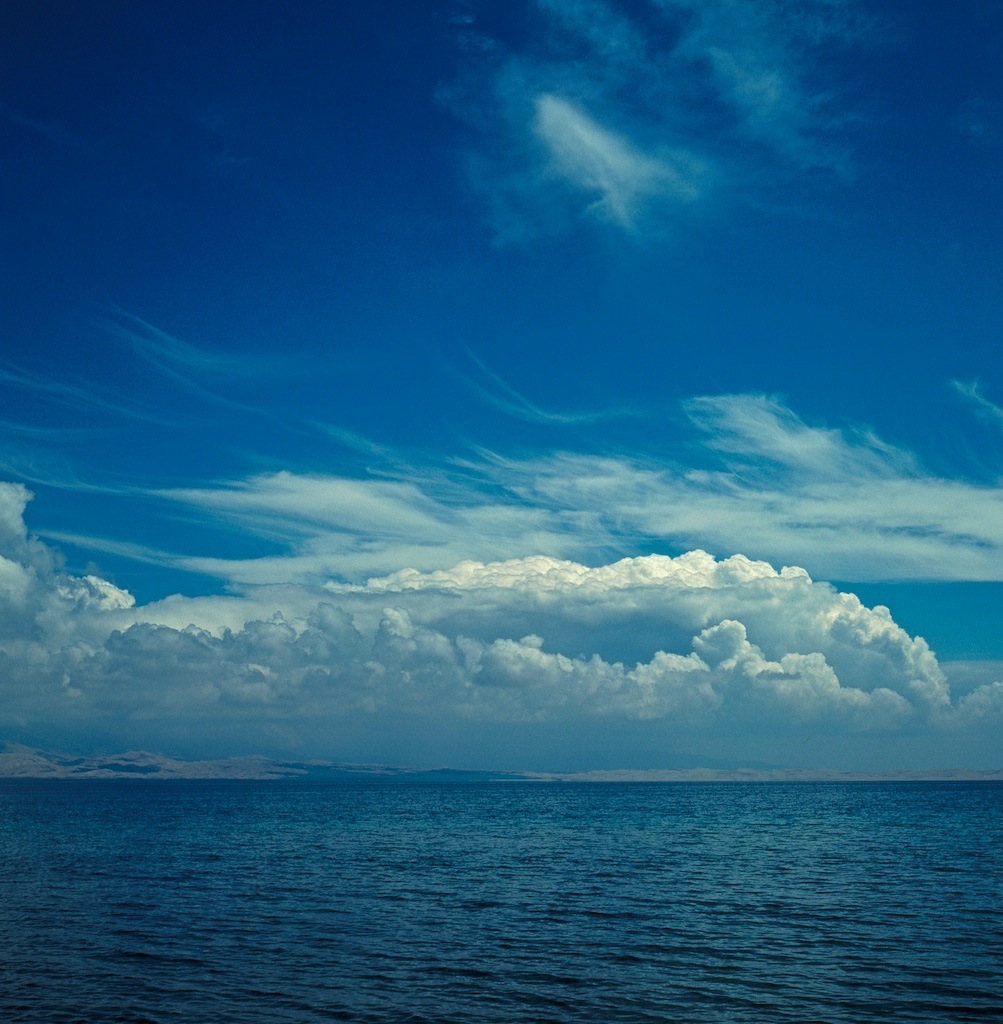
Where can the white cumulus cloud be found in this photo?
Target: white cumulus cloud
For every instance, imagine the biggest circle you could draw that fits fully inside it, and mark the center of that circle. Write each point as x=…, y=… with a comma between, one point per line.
x=507, y=660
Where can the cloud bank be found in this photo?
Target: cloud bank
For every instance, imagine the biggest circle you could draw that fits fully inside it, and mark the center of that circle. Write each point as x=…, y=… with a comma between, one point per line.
x=522, y=661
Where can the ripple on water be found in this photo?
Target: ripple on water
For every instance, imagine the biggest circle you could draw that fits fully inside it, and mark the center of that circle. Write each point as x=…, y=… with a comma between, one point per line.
x=219, y=903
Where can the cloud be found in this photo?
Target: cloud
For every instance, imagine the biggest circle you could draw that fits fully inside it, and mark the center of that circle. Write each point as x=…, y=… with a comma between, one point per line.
x=86, y=398
x=989, y=411
x=597, y=160
x=634, y=118
x=39, y=602
x=842, y=502
x=51, y=131
x=845, y=503
x=342, y=527
x=186, y=364
x=762, y=430
x=653, y=600
x=53, y=434
x=725, y=653
x=763, y=64
x=172, y=355
x=499, y=393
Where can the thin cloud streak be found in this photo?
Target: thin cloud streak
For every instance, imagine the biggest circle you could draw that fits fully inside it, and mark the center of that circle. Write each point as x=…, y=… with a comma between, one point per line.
x=54, y=434
x=51, y=131
x=123, y=549
x=973, y=392
x=72, y=394
x=504, y=397
x=179, y=361
x=163, y=350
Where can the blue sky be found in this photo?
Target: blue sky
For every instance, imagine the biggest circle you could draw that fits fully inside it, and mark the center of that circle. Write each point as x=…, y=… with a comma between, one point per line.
x=348, y=350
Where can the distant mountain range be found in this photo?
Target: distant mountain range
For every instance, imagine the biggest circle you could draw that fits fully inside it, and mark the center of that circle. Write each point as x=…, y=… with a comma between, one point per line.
x=21, y=762
x=29, y=763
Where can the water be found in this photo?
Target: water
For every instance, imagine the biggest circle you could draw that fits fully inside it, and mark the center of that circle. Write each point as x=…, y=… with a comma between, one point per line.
x=227, y=902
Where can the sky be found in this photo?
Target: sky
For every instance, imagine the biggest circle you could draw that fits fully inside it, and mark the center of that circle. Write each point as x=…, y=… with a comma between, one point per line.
x=510, y=384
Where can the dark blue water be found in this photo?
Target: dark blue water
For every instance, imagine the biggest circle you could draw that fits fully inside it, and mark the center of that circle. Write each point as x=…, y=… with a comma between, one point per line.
x=227, y=902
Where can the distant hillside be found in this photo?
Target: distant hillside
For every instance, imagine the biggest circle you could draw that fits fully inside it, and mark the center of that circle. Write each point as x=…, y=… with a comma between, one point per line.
x=28, y=763
x=21, y=762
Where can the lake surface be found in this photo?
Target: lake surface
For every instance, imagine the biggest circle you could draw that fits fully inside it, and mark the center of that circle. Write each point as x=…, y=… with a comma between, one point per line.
x=247, y=902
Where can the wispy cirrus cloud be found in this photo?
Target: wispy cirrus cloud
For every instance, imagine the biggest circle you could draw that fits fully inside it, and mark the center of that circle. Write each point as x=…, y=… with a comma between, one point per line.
x=53, y=434
x=844, y=503
x=633, y=118
x=350, y=528
x=495, y=390
x=600, y=161
x=51, y=130
x=79, y=395
x=188, y=366
x=757, y=479
x=973, y=392
x=172, y=354
x=763, y=63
